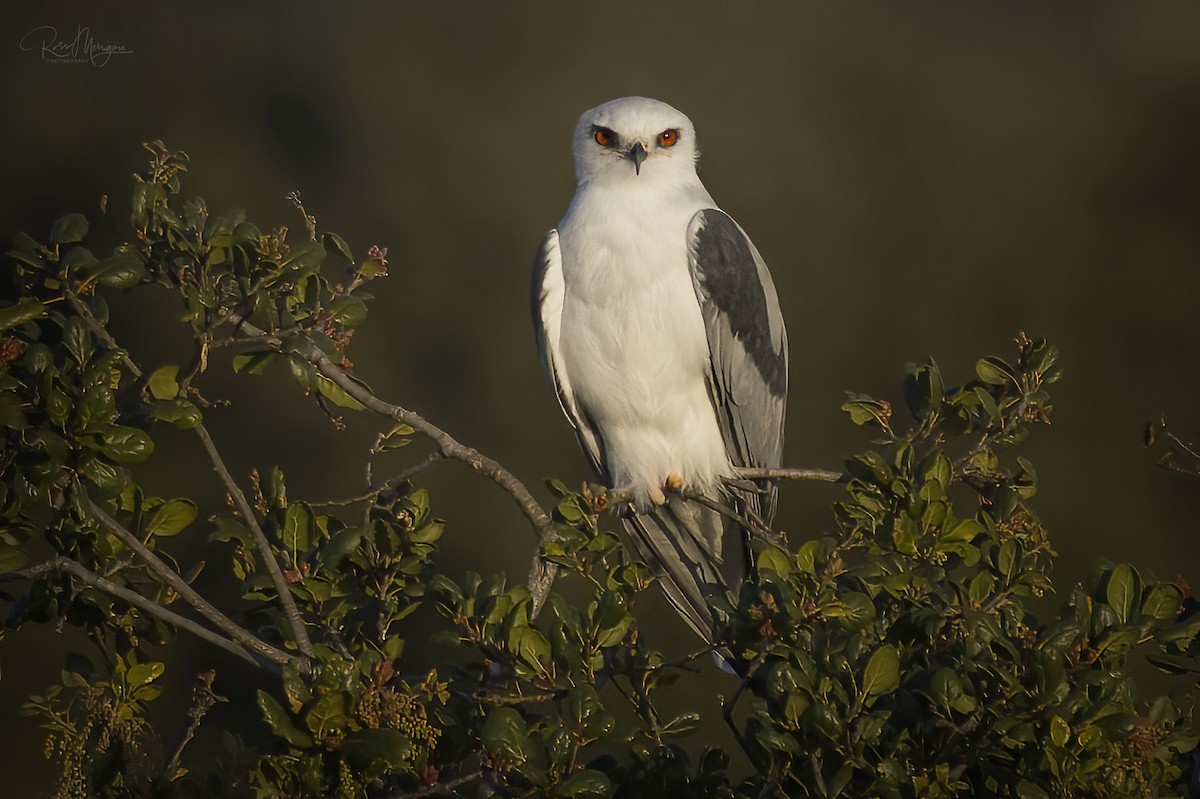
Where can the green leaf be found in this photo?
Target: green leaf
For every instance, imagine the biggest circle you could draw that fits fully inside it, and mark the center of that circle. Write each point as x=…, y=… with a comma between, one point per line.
x=69, y=228
x=171, y=518
x=1163, y=602
x=963, y=532
x=181, y=413
x=341, y=546
x=254, y=362
x=297, y=526
x=127, y=445
x=946, y=687
x=995, y=371
x=373, y=751
x=773, y=559
x=280, y=722
x=1028, y=790
x=504, y=735
x=337, y=245
x=21, y=313
x=1124, y=588
x=12, y=559
x=865, y=409
x=77, y=339
x=107, y=477
x=1060, y=731
x=882, y=674
x=163, y=383
x=121, y=270
x=306, y=258
x=144, y=673
x=336, y=394
x=349, y=311
x=330, y=712
x=586, y=784
x=528, y=644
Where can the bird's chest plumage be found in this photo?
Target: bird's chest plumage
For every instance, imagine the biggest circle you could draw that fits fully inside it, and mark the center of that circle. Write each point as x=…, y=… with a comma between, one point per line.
x=633, y=340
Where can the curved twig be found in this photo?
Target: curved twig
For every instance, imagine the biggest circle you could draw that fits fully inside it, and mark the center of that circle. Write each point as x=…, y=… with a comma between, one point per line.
x=295, y=620
x=85, y=575
x=542, y=573
x=171, y=578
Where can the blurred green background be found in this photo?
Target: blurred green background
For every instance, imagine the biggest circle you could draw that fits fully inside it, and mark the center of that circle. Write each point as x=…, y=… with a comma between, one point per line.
x=923, y=179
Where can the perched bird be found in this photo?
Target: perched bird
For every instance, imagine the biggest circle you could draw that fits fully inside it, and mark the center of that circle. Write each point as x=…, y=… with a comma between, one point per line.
x=660, y=328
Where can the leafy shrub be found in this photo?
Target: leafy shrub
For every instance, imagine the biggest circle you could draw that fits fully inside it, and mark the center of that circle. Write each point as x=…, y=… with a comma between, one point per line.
x=896, y=656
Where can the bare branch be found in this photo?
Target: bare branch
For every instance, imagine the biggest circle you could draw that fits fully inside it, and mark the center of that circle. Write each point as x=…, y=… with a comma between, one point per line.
x=310, y=221
x=171, y=578
x=542, y=574
x=85, y=575
x=203, y=700
x=445, y=788
x=756, y=528
x=392, y=482
x=821, y=475
x=295, y=620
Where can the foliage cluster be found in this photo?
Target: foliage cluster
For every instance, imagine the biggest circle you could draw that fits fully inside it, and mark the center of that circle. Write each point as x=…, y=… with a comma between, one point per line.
x=896, y=656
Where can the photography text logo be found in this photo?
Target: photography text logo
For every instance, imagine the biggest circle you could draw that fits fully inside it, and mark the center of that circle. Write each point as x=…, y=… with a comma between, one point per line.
x=81, y=48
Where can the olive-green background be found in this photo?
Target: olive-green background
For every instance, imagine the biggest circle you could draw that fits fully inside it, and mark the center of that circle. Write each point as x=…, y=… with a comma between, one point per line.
x=923, y=179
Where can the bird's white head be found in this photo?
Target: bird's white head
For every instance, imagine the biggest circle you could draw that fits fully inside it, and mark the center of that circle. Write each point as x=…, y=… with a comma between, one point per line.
x=635, y=139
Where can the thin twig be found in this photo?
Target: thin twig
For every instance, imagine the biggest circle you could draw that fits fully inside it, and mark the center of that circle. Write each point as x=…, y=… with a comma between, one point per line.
x=727, y=707
x=441, y=787
x=542, y=573
x=295, y=620
x=392, y=482
x=85, y=575
x=289, y=605
x=171, y=578
x=98, y=329
x=203, y=700
x=755, y=528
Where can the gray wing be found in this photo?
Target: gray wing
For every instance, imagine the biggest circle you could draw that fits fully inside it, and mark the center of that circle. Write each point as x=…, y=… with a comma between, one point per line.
x=548, y=292
x=747, y=343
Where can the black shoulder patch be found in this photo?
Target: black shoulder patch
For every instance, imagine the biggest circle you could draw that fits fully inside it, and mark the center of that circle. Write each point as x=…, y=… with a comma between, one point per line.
x=727, y=277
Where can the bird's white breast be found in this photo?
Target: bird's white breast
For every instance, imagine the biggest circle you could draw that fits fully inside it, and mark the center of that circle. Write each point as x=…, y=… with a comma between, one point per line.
x=633, y=342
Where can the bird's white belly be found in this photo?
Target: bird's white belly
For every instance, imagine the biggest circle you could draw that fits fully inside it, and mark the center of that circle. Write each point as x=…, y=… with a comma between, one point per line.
x=636, y=355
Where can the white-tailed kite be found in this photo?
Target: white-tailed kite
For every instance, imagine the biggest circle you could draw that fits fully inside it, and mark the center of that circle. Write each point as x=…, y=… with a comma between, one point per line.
x=660, y=327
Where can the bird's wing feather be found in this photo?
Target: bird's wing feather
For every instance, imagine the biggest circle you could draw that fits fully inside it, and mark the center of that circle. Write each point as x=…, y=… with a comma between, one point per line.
x=747, y=343
x=548, y=292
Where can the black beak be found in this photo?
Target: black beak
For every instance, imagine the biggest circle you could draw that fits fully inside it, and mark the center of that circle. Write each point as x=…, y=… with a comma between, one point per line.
x=637, y=154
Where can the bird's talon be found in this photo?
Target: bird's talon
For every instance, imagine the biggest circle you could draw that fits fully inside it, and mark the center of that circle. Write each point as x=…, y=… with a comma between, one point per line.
x=674, y=483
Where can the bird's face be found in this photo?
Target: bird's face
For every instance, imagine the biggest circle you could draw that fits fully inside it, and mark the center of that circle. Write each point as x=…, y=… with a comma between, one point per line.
x=634, y=139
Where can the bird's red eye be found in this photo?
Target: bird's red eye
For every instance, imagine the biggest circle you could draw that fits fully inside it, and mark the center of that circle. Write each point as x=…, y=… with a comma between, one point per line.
x=668, y=138
x=603, y=136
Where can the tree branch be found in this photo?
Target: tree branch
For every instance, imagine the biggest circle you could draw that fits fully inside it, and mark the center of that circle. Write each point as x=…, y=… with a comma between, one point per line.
x=98, y=329
x=169, y=576
x=295, y=620
x=542, y=573
x=784, y=473
x=85, y=575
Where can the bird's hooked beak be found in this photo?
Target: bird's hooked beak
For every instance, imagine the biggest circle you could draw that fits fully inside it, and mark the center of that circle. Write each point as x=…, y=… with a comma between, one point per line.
x=636, y=154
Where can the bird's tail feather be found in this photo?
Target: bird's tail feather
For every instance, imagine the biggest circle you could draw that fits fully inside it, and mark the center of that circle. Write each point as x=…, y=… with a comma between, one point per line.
x=681, y=542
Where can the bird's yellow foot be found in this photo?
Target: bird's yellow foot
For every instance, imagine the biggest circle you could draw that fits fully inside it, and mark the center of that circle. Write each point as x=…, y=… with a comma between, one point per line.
x=673, y=483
